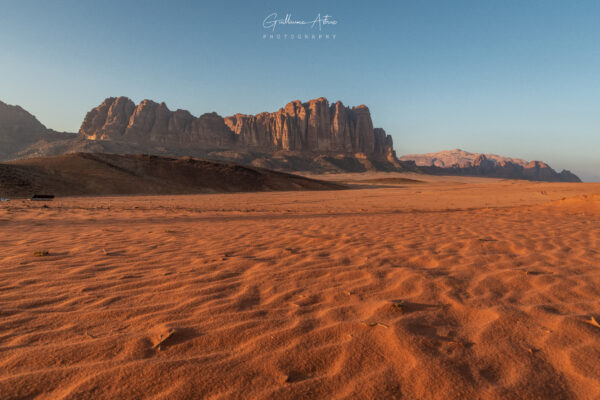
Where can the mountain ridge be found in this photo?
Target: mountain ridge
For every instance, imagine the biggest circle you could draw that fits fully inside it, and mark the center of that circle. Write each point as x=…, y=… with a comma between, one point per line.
x=314, y=136
x=461, y=162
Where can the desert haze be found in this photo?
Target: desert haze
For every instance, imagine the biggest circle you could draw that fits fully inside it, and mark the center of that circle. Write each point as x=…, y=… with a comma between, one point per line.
x=403, y=286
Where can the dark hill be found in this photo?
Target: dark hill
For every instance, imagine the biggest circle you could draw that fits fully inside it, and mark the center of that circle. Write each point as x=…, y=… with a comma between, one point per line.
x=86, y=174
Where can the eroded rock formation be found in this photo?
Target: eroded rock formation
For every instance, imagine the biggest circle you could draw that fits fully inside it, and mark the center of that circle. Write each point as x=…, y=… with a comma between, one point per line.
x=314, y=126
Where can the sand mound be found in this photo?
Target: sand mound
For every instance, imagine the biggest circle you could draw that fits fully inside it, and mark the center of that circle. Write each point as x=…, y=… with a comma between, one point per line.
x=110, y=174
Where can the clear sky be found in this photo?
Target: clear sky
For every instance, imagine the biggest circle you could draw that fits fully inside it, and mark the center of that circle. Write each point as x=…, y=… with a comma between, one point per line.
x=517, y=78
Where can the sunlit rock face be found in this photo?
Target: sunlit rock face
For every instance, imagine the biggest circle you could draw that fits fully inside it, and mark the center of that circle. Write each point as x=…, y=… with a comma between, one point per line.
x=315, y=126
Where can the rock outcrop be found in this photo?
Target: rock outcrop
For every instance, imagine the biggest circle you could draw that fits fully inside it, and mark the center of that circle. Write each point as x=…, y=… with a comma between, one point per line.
x=460, y=162
x=151, y=124
x=311, y=127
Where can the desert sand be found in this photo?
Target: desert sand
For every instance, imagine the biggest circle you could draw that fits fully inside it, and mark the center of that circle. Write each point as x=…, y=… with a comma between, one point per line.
x=446, y=288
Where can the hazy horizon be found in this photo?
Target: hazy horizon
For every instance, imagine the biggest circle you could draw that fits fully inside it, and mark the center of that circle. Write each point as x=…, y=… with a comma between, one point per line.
x=511, y=78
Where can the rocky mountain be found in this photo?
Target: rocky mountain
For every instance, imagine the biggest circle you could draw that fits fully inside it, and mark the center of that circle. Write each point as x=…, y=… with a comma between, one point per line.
x=460, y=162
x=311, y=127
x=19, y=130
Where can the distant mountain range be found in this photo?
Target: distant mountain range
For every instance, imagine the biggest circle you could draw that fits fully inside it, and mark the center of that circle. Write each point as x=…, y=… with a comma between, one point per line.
x=460, y=162
x=314, y=136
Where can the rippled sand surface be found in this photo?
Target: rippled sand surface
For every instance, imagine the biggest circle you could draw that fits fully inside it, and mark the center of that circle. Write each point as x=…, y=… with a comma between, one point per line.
x=450, y=288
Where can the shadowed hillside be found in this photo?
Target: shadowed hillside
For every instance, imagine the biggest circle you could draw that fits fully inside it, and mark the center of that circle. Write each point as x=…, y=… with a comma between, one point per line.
x=84, y=174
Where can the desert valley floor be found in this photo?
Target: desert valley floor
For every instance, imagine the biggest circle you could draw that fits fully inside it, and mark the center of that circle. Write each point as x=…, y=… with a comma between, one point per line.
x=454, y=288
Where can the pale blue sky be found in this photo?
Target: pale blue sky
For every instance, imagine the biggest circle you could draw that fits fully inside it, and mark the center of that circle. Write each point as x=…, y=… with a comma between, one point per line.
x=517, y=78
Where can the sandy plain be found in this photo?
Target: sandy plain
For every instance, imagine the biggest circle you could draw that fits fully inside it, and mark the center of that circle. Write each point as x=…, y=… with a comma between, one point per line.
x=450, y=288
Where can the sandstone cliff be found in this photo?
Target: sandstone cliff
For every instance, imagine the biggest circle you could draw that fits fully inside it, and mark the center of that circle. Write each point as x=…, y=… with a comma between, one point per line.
x=311, y=127
x=460, y=162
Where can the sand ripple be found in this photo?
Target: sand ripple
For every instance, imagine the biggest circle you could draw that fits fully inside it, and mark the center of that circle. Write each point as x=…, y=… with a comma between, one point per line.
x=351, y=295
